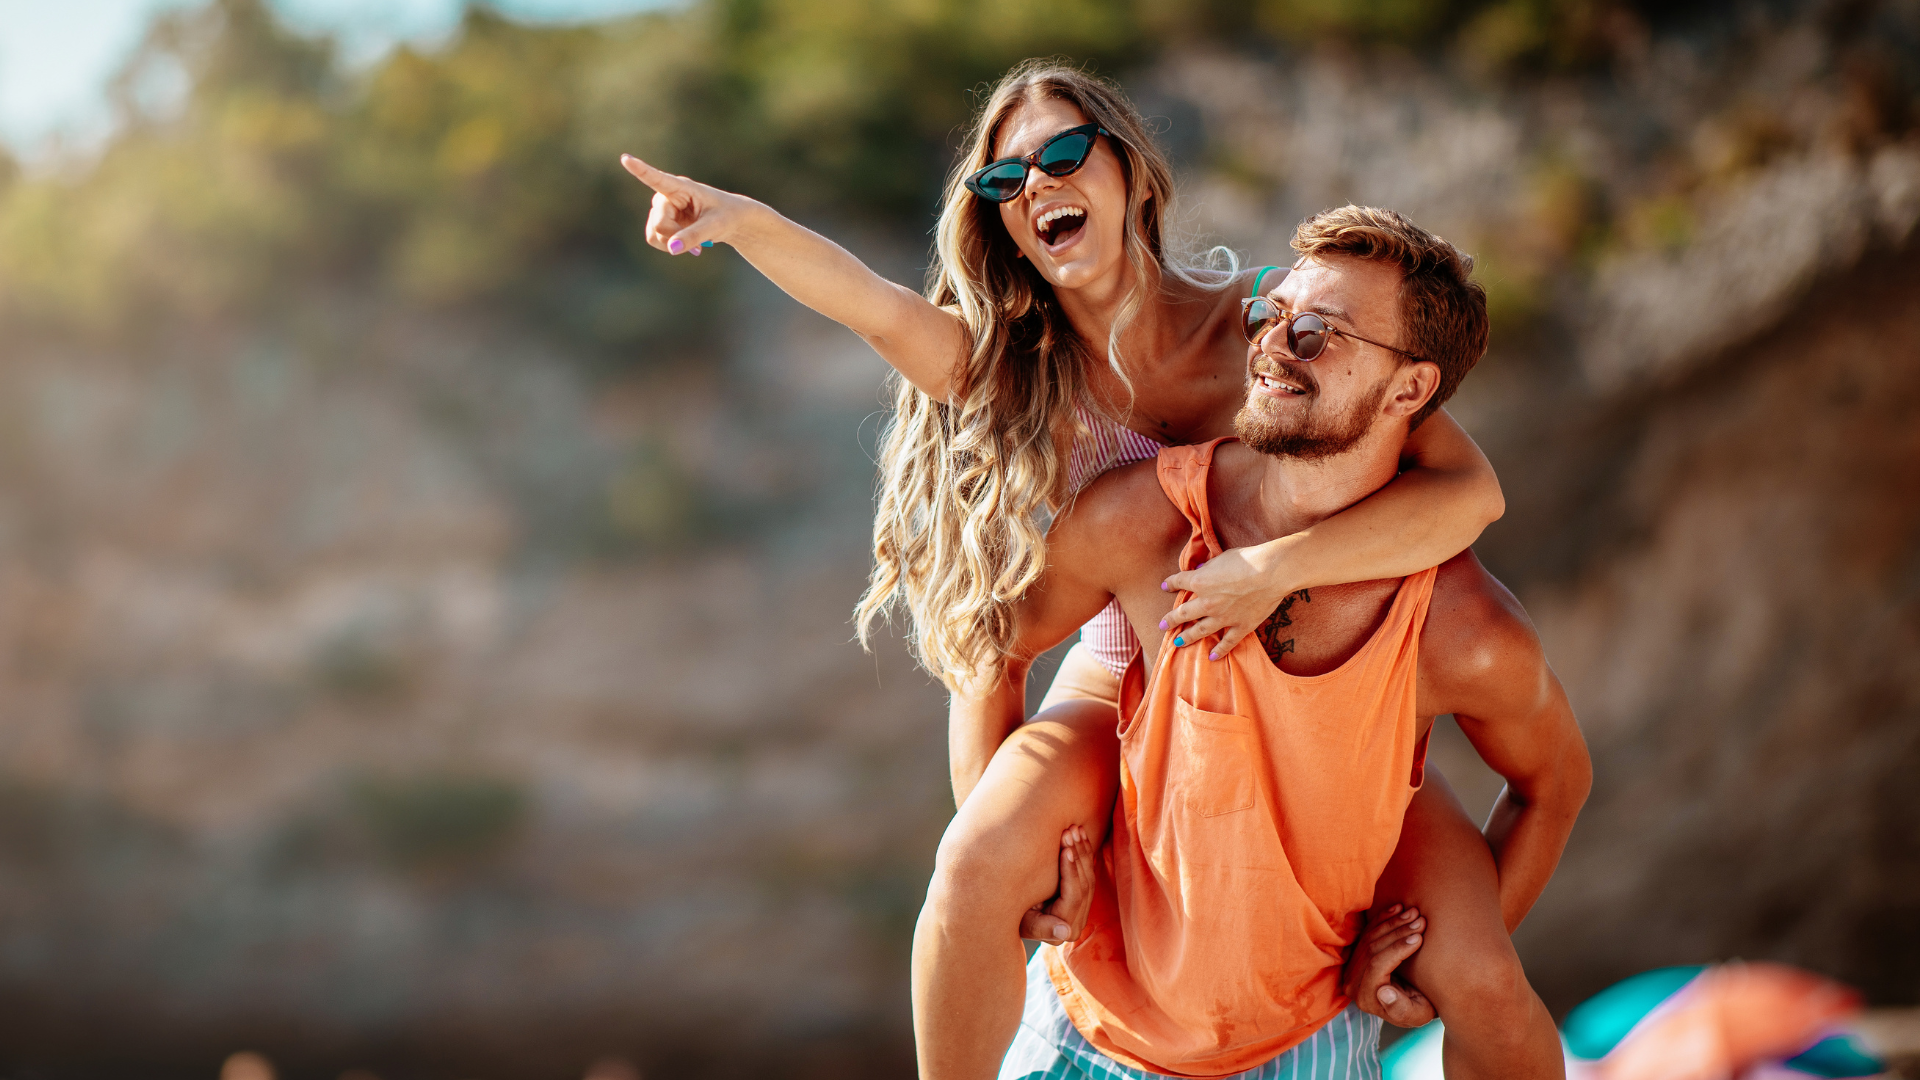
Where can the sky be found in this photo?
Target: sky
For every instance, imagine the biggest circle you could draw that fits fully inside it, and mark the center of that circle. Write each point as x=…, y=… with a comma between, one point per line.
x=56, y=56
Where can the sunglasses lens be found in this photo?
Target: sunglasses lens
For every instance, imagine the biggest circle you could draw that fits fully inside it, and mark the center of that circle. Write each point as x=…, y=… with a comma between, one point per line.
x=1065, y=154
x=1307, y=336
x=1001, y=182
x=1257, y=319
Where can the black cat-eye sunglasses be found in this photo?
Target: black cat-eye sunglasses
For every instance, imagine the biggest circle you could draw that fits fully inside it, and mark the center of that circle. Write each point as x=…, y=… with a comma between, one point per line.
x=1061, y=155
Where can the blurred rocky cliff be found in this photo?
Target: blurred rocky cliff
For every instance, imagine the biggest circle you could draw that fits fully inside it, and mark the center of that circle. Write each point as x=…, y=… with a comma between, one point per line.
x=423, y=610
x=1704, y=401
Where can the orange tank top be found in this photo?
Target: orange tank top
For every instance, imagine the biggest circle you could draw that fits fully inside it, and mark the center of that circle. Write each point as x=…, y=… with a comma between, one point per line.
x=1256, y=811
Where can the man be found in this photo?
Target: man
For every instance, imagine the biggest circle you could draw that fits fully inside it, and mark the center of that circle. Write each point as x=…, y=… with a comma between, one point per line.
x=1262, y=795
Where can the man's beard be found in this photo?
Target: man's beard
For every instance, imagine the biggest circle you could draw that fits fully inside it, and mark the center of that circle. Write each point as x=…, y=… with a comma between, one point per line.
x=1314, y=434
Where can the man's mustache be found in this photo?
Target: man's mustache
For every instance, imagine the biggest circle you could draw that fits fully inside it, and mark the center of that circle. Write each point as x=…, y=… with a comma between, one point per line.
x=1292, y=371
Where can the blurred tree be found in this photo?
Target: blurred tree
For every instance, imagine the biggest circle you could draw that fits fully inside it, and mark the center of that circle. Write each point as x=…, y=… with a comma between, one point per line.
x=1402, y=21
x=189, y=214
x=1491, y=36
x=483, y=172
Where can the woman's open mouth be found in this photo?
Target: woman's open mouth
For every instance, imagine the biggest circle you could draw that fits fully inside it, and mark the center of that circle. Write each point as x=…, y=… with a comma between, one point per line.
x=1059, y=226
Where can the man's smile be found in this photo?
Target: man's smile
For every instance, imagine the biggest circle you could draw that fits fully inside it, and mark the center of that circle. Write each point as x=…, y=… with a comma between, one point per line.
x=1277, y=386
x=1272, y=380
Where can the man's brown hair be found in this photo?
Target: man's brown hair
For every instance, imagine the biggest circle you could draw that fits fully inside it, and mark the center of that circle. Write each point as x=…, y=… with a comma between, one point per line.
x=1444, y=313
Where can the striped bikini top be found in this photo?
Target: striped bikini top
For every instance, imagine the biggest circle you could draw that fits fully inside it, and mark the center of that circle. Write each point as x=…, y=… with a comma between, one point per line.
x=1104, y=443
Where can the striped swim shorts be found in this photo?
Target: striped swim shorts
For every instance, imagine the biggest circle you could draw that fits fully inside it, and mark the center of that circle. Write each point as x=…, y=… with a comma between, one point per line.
x=1048, y=1047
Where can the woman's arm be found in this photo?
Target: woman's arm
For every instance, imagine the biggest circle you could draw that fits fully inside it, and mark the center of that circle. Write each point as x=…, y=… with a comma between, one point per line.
x=1432, y=511
x=921, y=341
x=980, y=716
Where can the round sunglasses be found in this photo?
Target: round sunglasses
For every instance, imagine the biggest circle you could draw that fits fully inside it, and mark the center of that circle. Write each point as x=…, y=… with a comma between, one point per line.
x=1059, y=156
x=1307, y=333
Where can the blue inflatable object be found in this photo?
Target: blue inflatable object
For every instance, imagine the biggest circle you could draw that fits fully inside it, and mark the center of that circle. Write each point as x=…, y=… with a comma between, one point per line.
x=1599, y=1024
x=1416, y=1056
x=1837, y=1056
x=1596, y=1025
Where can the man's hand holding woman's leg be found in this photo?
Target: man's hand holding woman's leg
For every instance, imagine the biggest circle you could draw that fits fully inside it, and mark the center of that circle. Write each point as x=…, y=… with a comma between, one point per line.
x=1369, y=980
x=1464, y=963
x=1063, y=917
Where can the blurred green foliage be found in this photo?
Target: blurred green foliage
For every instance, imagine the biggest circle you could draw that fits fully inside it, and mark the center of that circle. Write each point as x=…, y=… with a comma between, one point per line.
x=45, y=829
x=1493, y=35
x=485, y=172
x=355, y=665
x=436, y=819
x=650, y=500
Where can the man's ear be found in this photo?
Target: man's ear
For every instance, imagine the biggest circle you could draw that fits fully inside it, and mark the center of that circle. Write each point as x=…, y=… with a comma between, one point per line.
x=1412, y=387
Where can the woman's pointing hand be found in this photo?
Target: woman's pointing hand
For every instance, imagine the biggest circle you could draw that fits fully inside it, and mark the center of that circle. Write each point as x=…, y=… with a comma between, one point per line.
x=687, y=214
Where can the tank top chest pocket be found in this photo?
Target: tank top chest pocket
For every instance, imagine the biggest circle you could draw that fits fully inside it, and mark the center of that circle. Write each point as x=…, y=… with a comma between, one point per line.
x=1212, y=761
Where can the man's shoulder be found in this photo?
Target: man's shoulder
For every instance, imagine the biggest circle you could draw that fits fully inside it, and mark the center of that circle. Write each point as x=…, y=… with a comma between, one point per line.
x=1124, y=510
x=1475, y=626
x=1121, y=491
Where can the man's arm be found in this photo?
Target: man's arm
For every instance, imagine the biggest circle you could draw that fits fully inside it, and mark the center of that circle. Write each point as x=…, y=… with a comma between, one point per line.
x=1482, y=662
x=1096, y=540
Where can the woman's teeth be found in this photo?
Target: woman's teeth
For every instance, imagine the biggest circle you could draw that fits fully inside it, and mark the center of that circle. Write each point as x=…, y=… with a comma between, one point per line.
x=1058, y=221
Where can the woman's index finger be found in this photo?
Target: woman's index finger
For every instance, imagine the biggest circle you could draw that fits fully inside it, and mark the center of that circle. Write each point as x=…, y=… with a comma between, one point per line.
x=662, y=182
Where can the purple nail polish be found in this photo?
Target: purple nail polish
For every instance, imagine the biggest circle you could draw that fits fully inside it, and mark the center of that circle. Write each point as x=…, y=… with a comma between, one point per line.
x=675, y=247
x=1163, y=624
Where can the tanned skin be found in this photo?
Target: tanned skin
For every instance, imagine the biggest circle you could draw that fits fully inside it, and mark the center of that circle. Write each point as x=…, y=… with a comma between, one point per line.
x=1182, y=351
x=1480, y=660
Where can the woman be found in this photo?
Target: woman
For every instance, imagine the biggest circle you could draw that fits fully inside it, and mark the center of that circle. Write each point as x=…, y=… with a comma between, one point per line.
x=1063, y=335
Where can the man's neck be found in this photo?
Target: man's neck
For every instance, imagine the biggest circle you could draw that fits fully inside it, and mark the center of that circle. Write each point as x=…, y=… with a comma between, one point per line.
x=1270, y=497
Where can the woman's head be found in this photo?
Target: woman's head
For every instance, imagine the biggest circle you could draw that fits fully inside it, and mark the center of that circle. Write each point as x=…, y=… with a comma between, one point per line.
x=1123, y=191
x=966, y=483
x=1069, y=228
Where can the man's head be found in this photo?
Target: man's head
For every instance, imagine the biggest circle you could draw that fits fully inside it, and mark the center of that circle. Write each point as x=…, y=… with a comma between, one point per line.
x=1406, y=327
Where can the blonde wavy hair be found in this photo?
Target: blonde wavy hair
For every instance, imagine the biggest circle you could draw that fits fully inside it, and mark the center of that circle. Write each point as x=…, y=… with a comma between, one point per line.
x=969, y=484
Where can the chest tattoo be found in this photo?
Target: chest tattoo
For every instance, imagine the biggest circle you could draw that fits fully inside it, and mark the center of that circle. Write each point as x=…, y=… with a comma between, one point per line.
x=1273, y=633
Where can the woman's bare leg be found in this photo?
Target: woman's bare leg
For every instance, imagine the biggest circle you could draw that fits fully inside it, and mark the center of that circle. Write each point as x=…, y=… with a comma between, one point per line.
x=999, y=858
x=1497, y=1027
